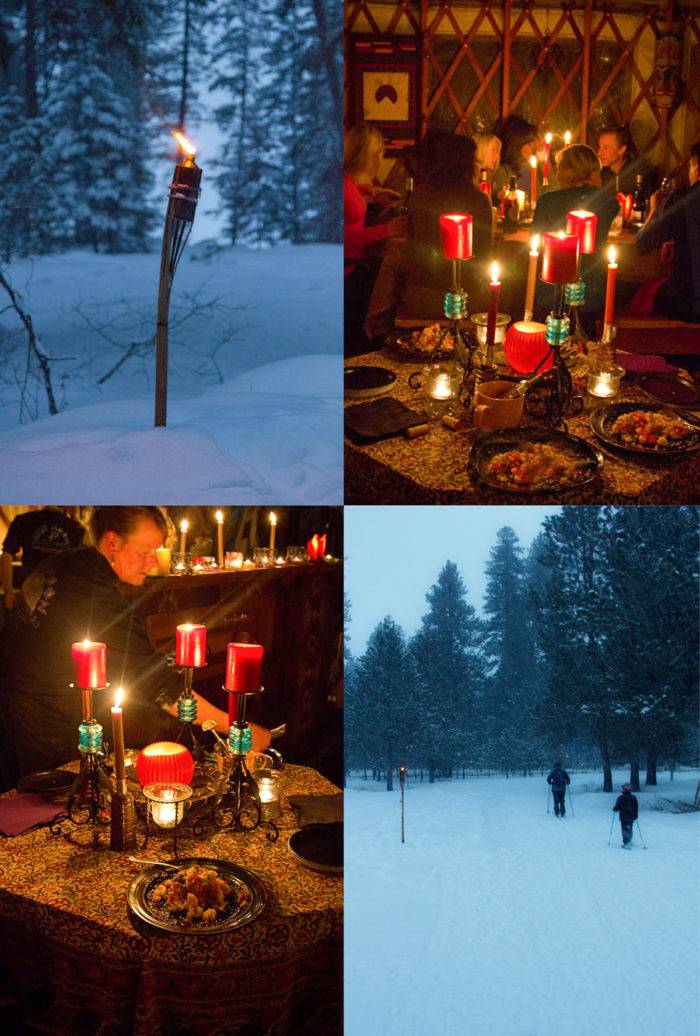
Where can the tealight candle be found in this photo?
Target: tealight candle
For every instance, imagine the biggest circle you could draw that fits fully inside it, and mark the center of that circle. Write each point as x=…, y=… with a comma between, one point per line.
x=605, y=383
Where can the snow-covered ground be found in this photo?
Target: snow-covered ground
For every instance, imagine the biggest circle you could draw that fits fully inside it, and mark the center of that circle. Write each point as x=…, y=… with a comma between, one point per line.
x=270, y=431
x=496, y=919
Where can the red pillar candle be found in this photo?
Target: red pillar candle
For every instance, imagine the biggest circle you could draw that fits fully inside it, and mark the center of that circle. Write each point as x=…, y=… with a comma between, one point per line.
x=545, y=167
x=609, y=317
x=456, y=235
x=316, y=547
x=243, y=668
x=494, y=294
x=190, y=645
x=559, y=258
x=533, y=181
x=625, y=203
x=90, y=664
x=584, y=225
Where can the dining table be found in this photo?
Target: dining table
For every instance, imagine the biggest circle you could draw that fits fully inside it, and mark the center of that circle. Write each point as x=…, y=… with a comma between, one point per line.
x=433, y=468
x=76, y=960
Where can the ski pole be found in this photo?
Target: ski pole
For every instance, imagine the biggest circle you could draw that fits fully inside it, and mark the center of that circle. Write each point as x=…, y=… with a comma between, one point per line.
x=402, y=780
x=571, y=800
x=611, y=828
x=549, y=792
x=644, y=844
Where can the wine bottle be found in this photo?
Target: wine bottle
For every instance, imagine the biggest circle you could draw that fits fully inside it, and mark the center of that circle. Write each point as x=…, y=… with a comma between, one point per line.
x=511, y=213
x=638, y=201
x=484, y=184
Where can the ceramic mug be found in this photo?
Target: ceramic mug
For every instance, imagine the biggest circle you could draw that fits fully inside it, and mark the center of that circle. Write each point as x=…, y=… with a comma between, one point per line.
x=495, y=406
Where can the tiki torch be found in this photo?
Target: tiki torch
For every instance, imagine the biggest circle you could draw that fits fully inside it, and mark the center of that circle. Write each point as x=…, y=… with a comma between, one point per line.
x=179, y=217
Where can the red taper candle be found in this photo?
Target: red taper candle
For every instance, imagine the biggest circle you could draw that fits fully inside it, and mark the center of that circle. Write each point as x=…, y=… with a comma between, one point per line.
x=243, y=668
x=545, y=167
x=191, y=645
x=494, y=295
x=456, y=235
x=609, y=317
x=316, y=547
x=584, y=224
x=118, y=738
x=90, y=664
x=533, y=181
x=559, y=258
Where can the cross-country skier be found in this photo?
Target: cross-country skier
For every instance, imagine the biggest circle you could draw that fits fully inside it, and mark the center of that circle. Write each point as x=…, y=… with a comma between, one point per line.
x=558, y=779
x=628, y=808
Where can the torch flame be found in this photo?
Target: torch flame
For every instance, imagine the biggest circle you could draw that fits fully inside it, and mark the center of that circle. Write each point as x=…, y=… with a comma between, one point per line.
x=118, y=697
x=184, y=143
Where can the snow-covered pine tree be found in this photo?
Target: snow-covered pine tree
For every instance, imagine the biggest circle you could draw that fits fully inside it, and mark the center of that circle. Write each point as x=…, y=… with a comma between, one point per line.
x=99, y=146
x=450, y=665
x=509, y=646
x=381, y=721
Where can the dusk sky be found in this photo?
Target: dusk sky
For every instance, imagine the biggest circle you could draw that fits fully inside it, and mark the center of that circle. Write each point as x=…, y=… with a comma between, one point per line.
x=394, y=555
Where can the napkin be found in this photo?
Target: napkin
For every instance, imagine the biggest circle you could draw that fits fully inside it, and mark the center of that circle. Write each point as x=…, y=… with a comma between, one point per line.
x=20, y=813
x=317, y=809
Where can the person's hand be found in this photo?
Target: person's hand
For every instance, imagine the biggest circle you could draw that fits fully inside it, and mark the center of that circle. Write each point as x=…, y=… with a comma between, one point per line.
x=261, y=738
x=9, y=600
x=656, y=200
x=381, y=196
x=397, y=227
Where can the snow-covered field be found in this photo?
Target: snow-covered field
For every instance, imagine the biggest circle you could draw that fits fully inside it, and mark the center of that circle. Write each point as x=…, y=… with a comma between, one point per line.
x=496, y=919
x=269, y=432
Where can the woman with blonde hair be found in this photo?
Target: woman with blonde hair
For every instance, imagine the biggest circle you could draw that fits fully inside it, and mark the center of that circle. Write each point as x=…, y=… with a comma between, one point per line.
x=578, y=174
x=363, y=151
x=488, y=154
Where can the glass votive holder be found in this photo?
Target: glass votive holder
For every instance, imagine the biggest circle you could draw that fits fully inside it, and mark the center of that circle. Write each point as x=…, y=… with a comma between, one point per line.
x=269, y=784
x=233, y=559
x=441, y=384
x=180, y=564
x=167, y=803
x=295, y=555
x=603, y=383
x=480, y=321
x=263, y=557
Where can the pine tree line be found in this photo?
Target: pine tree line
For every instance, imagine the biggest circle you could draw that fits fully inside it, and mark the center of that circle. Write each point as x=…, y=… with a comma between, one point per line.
x=570, y=659
x=88, y=89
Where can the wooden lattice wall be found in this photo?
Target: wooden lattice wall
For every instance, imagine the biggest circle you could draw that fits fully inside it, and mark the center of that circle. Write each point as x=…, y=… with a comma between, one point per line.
x=576, y=65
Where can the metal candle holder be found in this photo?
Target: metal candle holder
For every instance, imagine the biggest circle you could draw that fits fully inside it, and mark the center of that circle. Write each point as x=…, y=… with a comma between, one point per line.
x=553, y=392
x=239, y=807
x=455, y=309
x=86, y=796
x=183, y=194
x=187, y=714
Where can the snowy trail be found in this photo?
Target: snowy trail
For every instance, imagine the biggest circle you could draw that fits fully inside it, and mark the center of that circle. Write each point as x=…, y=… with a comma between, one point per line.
x=496, y=918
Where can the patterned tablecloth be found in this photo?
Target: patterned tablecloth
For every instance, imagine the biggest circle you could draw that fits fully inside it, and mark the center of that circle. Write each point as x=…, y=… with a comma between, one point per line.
x=432, y=469
x=72, y=958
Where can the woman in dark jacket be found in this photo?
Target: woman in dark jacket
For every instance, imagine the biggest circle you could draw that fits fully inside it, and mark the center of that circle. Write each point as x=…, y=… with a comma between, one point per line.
x=84, y=594
x=628, y=810
x=578, y=170
x=449, y=185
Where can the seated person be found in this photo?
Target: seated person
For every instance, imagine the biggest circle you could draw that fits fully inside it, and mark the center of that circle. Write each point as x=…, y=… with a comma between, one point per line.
x=39, y=533
x=676, y=217
x=82, y=593
x=449, y=185
x=578, y=171
x=488, y=154
x=519, y=143
x=621, y=163
x=363, y=153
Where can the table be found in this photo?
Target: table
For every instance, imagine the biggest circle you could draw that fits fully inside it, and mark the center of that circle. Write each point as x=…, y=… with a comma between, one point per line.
x=432, y=469
x=70, y=951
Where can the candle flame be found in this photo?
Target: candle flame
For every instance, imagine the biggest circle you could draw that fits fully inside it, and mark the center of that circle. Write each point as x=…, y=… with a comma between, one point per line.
x=184, y=143
x=534, y=244
x=273, y=518
x=548, y=138
x=494, y=273
x=184, y=525
x=533, y=161
x=562, y=235
x=219, y=517
x=87, y=643
x=567, y=138
x=118, y=697
x=612, y=255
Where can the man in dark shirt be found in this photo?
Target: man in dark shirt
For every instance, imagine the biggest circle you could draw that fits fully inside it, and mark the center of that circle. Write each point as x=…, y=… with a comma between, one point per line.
x=558, y=781
x=628, y=810
x=621, y=163
x=39, y=533
x=677, y=218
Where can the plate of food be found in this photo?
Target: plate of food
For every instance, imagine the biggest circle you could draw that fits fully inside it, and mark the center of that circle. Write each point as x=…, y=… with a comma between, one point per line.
x=432, y=342
x=646, y=430
x=201, y=897
x=534, y=460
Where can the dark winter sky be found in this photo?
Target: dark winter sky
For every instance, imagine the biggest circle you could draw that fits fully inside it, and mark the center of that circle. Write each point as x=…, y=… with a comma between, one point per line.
x=394, y=555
